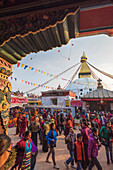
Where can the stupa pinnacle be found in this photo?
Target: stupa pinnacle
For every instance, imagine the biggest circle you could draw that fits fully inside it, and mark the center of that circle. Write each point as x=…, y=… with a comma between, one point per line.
x=84, y=70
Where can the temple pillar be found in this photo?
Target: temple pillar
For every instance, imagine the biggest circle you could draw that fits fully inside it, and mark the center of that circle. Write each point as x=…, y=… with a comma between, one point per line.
x=5, y=94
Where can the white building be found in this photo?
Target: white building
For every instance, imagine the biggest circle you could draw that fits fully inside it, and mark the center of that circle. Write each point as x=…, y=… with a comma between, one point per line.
x=59, y=99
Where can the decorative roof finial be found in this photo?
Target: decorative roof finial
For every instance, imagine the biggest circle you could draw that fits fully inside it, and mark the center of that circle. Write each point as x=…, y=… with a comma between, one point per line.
x=59, y=87
x=100, y=86
x=84, y=57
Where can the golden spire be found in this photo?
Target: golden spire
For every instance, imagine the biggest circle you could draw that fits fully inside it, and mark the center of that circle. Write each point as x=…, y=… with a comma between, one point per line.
x=84, y=58
x=84, y=70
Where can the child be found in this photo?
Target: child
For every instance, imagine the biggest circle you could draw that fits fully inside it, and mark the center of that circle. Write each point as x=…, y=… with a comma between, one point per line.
x=79, y=153
x=70, y=146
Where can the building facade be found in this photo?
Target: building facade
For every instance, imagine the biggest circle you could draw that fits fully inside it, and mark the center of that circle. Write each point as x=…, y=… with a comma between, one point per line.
x=59, y=98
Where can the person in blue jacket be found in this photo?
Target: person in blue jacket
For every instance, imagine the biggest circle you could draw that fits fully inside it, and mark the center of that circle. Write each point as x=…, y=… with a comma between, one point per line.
x=52, y=138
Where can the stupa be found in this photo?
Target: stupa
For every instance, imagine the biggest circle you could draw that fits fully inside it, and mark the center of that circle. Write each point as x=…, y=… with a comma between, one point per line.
x=85, y=83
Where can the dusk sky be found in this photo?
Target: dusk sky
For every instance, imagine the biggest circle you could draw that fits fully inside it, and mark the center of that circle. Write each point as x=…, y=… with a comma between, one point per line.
x=98, y=49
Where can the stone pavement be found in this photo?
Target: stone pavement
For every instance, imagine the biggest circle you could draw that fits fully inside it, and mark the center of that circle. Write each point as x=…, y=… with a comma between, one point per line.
x=61, y=155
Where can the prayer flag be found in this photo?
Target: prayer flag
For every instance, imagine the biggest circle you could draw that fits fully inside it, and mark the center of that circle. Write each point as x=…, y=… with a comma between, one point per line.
x=29, y=69
x=25, y=67
x=22, y=65
x=18, y=64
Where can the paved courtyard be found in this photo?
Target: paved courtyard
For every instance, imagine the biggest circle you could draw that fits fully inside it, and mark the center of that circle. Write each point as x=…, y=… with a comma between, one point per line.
x=61, y=154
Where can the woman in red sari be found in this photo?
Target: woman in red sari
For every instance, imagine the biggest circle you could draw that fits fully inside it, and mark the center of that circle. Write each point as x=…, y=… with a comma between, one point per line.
x=19, y=121
x=23, y=125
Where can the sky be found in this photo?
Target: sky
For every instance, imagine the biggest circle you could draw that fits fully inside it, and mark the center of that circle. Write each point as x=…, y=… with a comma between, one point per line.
x=98, y=49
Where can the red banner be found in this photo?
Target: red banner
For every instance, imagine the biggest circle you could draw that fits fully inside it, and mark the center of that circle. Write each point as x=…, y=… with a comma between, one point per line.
x=18, y=100
x=77, y=103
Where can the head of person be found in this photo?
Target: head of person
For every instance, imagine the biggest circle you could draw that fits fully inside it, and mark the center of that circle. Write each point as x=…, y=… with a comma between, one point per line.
x=71, y=130
x=27, y=135
x=108, y=124
x=79, y=137
x=84, y=123
x=104, y=115
x=96, y=115
x=5, y=148
x=41, y=120
x=95, y=131
x=91, y=118
x=37, y=120
x=82, y=117
x=58, y=115
x=52, y=126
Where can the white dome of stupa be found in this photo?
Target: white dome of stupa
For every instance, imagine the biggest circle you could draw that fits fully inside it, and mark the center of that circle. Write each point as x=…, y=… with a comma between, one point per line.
x=82, y=86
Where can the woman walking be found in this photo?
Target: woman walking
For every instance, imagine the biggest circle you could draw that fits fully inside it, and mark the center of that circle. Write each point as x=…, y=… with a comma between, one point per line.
x=93, y=147
x=52, y=138
x=106, y=135
x=34, y=128
x=23, y=125
x=25, y=147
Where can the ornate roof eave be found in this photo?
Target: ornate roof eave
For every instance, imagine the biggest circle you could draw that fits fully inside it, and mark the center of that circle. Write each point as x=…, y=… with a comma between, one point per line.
x=37, y=31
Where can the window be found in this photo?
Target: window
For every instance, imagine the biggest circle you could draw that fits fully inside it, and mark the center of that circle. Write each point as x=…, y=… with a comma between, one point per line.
x=60, y=94
x=80, y=93
x=90, y=89
x=54, y=101
x=81, y=89
x=48, y=94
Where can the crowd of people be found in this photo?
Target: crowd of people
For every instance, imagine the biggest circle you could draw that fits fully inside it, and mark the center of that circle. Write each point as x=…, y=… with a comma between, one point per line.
x=93, y=130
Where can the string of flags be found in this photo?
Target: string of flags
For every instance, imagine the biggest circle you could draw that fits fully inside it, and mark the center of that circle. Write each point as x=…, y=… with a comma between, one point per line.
x=24, y=66
x=30, y=83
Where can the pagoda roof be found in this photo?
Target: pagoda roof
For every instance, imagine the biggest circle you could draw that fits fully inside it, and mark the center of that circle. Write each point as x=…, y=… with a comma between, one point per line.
x=99, y=93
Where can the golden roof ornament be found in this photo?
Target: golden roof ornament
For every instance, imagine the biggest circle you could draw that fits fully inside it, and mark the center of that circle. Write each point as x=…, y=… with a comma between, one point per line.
x=85, y=71
x=84, y=57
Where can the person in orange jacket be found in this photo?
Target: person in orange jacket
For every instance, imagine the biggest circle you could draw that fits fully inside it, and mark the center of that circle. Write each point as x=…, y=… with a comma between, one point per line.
x=79, y=153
